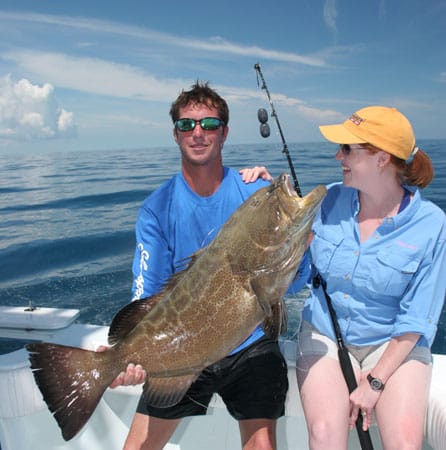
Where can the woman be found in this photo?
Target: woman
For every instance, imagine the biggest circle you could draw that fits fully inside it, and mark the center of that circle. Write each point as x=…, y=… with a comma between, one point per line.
x=380, y=248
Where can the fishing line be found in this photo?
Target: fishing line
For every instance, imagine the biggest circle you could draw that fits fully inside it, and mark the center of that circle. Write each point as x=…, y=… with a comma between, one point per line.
x=344, y=359
x=262, y=115
x=198, y=403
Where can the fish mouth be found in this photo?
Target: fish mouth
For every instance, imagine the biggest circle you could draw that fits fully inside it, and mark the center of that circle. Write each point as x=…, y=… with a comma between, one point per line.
x=314, y=198
x=308, y=206
x=299, y=209
x=283, y=182
x=287, y=186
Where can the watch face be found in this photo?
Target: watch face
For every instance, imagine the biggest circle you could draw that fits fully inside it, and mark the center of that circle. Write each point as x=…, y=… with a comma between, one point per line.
x=375, y=383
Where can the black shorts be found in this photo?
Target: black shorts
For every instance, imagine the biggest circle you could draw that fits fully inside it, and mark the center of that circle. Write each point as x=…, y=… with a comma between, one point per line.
x=253, y=384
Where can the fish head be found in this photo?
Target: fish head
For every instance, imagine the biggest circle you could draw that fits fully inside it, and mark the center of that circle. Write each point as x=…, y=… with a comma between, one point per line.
x=276, y=214
x=292, y=212
x=270, y=233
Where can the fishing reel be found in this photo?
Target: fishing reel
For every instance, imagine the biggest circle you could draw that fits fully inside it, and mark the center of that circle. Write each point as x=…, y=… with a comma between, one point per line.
x=262, y=115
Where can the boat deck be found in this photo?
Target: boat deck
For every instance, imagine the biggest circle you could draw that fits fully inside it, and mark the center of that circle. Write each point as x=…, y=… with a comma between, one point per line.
x=25, y=421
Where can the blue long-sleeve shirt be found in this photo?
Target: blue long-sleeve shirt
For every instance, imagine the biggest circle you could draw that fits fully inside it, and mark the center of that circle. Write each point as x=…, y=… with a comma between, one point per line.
x=391, y=284
x=174, y=222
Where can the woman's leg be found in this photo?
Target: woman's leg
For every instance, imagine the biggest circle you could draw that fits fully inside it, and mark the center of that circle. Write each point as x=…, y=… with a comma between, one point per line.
x=401, y=408
x=325, y=400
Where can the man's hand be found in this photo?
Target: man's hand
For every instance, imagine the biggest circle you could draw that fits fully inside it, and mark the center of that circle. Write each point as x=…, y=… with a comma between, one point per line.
x=134, y=374
x=249, y=175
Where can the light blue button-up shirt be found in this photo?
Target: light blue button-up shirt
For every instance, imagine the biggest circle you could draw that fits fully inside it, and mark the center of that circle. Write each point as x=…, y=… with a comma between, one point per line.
x=391, y=284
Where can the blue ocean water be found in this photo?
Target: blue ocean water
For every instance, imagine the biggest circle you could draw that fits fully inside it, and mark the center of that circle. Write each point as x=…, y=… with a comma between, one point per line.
x=67, y=220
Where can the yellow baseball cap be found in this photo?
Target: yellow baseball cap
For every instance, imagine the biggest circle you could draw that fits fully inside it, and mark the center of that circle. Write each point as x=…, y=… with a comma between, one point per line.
x=383, y=127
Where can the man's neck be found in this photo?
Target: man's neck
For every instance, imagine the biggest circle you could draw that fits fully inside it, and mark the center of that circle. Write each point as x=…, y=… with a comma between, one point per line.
x=203, y=180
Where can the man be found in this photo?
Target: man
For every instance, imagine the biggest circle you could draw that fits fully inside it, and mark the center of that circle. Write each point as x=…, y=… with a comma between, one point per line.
x=180, y=217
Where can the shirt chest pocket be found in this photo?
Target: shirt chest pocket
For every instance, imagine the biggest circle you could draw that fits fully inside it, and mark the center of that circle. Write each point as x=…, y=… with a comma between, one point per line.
x=323, y=248
x=392, y=272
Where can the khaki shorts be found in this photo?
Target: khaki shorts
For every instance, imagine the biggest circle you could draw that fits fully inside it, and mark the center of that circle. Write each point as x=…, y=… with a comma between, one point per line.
x=363, y=358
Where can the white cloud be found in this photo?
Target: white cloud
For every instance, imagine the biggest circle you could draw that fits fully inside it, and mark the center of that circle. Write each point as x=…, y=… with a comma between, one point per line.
x=65, y=122
x=220, y=45
x=30, y=111
x=330, y=14
x=95, y=76
x=213, y=45
x=382, y=9
x=100, y=77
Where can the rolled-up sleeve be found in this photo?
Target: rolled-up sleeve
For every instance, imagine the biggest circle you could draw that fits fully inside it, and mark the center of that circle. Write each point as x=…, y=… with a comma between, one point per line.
x=423, y=301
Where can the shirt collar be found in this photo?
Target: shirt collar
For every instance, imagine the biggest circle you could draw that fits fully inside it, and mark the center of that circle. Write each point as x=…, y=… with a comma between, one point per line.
x=400, y=219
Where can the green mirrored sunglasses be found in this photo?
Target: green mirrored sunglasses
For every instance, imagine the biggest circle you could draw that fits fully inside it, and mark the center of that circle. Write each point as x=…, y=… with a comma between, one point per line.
x=207, y=123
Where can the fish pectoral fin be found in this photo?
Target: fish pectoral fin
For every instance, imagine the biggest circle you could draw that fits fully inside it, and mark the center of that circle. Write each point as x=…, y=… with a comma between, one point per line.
x=167, y=391
x=263, y=300
x=128, y=317
x=277, y=323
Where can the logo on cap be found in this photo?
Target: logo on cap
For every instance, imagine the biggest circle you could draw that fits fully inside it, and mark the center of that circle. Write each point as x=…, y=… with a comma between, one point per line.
x=356, y=119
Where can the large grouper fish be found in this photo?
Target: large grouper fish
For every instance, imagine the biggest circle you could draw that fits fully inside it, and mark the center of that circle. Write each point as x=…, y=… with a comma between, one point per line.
x=201, y=315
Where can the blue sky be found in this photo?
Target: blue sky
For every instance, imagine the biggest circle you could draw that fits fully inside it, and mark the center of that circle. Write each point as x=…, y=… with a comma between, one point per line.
x=84, y=75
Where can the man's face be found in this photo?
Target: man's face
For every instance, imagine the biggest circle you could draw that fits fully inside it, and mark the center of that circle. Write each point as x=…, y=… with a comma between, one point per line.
x=198, y=146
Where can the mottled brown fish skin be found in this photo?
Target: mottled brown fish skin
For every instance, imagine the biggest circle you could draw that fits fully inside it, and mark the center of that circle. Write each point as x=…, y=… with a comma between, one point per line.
x=204, y=312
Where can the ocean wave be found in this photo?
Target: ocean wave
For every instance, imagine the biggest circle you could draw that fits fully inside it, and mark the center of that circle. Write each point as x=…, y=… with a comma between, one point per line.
x=59, y=257
x=67, y=220
x=84, y=201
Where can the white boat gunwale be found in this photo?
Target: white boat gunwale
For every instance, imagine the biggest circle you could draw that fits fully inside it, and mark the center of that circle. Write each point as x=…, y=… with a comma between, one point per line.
x=25, y=421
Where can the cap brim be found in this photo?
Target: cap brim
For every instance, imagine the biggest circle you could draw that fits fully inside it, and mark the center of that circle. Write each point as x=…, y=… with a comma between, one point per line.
x=340, y=135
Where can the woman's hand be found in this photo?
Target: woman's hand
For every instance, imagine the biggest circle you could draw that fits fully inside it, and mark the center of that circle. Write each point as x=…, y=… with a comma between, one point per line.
x=362, y=401
x=251, y=174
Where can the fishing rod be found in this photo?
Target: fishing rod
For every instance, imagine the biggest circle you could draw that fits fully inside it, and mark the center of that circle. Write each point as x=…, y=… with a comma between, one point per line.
x=344, y=358
x=262, y=115
x=365, y=439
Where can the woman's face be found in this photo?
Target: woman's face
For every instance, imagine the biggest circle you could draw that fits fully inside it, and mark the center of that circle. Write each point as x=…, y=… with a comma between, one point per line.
x=358, y=164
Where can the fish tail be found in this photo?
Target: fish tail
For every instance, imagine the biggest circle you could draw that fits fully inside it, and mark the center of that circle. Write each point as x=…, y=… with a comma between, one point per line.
x=71, y=380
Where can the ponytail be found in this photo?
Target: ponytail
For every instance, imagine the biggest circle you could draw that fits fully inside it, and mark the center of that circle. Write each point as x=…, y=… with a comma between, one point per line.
x=418, y=172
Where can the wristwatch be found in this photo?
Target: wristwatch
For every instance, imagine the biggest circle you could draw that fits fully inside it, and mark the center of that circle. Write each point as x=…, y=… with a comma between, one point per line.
x=375, y=383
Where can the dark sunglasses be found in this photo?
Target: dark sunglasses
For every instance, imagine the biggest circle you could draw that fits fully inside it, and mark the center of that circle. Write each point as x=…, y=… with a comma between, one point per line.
x=346, y=149
x=207, y=123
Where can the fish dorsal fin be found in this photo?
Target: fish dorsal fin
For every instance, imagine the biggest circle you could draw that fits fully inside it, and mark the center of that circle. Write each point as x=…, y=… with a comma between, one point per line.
x=183, y=265
x=277, y=323
x=128, y=317
x=164, y=392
